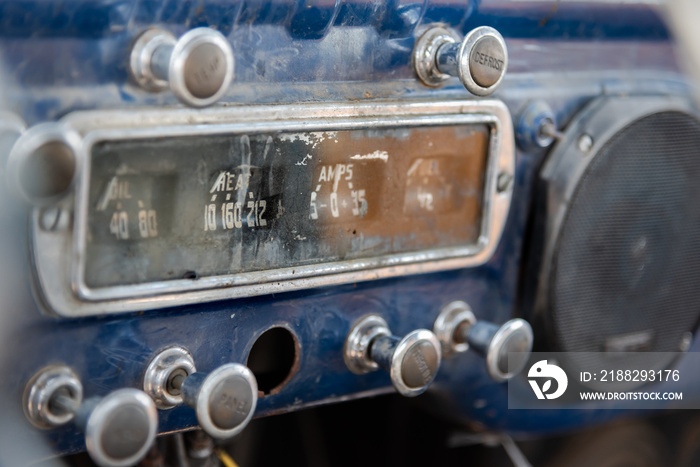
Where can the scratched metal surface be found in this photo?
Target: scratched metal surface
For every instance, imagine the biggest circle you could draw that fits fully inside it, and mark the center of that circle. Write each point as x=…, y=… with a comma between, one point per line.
x=62, y=56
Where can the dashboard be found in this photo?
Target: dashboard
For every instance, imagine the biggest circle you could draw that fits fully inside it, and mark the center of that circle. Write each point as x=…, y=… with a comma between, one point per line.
x=221, y=212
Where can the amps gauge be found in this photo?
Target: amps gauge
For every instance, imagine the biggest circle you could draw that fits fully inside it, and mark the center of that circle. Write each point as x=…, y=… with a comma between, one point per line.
x=182, y=206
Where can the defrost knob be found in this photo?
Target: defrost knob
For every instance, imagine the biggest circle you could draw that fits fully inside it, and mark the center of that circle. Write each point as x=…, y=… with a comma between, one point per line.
x=198, y=67
x=479, y=60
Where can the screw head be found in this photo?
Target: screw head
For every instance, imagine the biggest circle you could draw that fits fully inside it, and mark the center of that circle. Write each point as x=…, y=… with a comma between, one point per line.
x=585, y=143
x=504, y=182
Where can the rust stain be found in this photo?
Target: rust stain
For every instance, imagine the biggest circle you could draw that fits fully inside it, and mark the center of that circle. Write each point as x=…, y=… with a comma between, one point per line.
x=551, y=14
x=430, y=195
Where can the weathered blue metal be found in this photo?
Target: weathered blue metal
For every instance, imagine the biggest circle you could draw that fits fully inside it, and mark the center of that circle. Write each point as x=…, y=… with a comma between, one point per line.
x=62, y=56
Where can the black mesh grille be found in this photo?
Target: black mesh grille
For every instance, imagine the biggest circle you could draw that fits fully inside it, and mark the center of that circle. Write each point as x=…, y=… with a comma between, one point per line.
x=626, y=275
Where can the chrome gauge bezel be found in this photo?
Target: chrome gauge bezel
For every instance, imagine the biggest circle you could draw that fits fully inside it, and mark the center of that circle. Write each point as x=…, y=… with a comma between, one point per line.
x=59, y=253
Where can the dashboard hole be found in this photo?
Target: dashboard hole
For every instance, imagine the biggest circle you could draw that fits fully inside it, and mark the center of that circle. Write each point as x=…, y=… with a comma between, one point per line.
x=274, y=359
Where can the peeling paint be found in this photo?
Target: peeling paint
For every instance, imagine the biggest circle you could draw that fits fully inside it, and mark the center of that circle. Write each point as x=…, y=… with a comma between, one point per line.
x=306, y=159
x=382, y=155
x=313, y=138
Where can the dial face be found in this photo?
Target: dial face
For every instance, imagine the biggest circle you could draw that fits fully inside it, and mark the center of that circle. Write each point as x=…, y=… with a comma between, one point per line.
x=198, y=206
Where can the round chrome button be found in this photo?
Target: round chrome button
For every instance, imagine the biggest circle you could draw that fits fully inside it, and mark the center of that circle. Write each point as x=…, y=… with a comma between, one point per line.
x=204, y=71
x=420, y=362
x=487, y=61
x=120, y=428
x=509, y=349
x=224, y=400
x=201, y=67
x=231, y=401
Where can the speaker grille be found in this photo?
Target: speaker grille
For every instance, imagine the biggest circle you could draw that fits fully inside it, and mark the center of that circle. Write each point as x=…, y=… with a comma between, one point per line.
x=626, y=269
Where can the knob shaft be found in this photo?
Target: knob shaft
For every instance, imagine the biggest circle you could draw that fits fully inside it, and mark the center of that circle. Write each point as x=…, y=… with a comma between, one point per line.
x=479, y=60
x=198, y=68
x=412, y=361
x=506, y=347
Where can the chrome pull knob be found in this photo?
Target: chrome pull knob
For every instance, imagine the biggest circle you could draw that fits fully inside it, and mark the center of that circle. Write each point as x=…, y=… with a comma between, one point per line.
x=412, y=361
x=458, y=330
x=479, y=60
x=119, y=428
x=198, y=67
x=224, y=399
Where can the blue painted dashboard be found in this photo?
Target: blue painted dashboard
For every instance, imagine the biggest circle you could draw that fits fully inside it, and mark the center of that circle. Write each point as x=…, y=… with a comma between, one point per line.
x=62, y=56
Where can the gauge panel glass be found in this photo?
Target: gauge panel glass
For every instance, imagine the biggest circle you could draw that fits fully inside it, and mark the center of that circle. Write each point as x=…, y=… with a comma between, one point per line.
x=189, y=207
